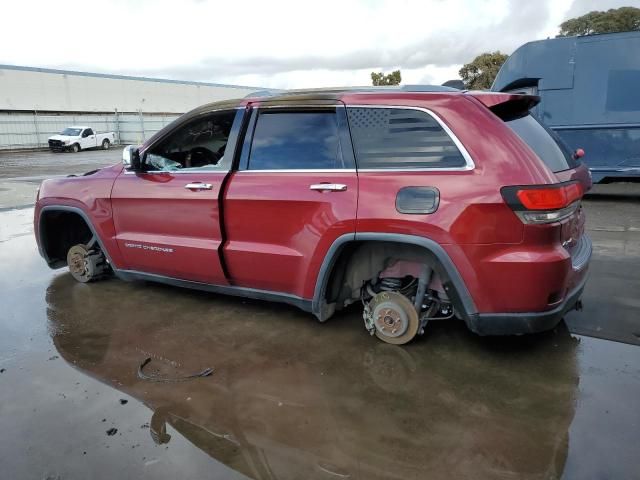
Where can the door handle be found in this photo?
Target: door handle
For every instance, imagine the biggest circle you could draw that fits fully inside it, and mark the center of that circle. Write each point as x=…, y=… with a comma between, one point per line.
x=198, y=186
x=328, y=187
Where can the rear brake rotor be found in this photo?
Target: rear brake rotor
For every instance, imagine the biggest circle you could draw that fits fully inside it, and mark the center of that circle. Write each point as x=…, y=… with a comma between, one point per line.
x=394, y=317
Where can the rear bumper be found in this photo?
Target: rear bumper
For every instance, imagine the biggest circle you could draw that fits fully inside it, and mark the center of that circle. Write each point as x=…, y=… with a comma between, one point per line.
x=521, y=323
x=533, y=322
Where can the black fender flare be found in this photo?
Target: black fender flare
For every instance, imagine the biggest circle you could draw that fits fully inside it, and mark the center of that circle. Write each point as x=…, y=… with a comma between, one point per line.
x=453, y=283
x=66, y=208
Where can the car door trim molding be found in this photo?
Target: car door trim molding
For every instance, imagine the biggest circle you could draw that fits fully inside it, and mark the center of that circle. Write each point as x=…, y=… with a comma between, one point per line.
x=469, y=163
x=246, y=292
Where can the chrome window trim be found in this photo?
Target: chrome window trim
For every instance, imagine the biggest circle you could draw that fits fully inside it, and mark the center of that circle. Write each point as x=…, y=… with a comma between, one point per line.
x=156, y=172
x=302, y=170
x=470, y=164
x=466, y=168
x=294, y=106
x=199, y=172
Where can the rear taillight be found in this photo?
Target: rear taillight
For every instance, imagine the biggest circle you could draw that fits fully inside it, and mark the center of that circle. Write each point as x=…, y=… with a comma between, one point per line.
x=543, y=203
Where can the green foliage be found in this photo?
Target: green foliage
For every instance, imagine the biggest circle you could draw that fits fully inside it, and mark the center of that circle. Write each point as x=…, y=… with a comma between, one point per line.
x=482, y=70
x=393, y=78
x=624, y=19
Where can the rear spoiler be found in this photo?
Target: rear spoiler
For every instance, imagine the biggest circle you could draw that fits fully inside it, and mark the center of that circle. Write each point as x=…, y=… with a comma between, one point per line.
x=506, y=105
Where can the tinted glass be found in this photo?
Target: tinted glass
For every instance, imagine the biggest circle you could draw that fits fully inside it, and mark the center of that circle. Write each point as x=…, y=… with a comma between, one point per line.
x=88, y=132
x=296, y=140
x=401, y=138
x=544, y=142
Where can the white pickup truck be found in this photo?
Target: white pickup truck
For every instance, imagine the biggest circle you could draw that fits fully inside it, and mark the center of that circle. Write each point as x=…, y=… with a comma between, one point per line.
x=78, y=138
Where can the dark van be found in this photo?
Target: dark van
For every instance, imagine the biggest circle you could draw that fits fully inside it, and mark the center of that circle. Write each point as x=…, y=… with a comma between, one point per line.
x=589, y=88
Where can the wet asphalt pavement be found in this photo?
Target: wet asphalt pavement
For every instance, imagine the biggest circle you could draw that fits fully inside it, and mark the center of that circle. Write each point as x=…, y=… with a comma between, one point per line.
x=290, y=398
x=22, y=172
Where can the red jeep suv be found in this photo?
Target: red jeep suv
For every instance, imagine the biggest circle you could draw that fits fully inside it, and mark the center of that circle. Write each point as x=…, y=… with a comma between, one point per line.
x=423, y=205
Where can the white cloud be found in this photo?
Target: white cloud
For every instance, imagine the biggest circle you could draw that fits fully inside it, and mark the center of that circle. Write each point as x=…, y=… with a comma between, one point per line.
x=281, y=44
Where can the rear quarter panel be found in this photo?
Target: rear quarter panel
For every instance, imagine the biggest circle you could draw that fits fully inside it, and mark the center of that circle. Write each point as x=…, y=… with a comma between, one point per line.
x=472, y=223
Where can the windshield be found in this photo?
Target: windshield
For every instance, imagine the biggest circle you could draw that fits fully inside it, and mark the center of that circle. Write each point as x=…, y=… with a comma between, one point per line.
x=544, y=142
x=71, y=132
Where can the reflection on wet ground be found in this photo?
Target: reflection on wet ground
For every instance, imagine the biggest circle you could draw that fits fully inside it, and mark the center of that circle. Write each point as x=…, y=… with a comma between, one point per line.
x=301, y=400
x=291, y=398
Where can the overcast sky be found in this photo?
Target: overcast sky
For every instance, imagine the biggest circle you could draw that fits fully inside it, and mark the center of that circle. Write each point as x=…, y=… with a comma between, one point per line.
x=276, y=43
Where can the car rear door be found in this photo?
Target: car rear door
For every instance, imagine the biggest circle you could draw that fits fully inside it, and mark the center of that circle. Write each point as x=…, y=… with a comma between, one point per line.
x=167, y=219
x=294, y=193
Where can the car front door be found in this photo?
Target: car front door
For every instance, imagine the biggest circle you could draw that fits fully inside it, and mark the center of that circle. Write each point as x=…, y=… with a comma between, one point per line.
x=87, y=139
x=167, y=218
x=294, y=193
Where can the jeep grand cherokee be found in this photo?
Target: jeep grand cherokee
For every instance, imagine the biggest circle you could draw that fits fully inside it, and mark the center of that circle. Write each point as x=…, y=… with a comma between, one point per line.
x=422, y=205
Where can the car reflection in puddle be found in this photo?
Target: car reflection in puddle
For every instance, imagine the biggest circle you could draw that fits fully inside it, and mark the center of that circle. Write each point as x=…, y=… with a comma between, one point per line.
x=292, y=398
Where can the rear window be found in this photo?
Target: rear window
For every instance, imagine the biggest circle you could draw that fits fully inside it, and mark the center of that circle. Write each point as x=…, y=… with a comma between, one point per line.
x=544, y=142
x=401, y=138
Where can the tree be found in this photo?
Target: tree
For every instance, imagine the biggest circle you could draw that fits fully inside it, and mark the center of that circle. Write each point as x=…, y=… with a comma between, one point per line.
x=482, y=70
x=393, y=78
x=624, y=19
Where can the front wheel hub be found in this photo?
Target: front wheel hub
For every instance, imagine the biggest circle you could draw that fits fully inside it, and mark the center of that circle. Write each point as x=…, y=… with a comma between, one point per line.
x=85, y=264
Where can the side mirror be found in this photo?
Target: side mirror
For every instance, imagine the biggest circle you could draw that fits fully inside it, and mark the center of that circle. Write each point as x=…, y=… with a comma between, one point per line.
x=131, y=158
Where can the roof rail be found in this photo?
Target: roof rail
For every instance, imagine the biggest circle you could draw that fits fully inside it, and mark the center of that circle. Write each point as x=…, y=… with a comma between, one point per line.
x=386, y=88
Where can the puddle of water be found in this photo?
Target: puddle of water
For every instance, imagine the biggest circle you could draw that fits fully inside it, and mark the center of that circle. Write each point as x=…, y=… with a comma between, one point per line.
x=289, y=397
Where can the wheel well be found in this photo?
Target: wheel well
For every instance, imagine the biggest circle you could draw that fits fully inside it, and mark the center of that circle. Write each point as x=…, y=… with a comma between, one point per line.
x=359, y=261
x=59, y=231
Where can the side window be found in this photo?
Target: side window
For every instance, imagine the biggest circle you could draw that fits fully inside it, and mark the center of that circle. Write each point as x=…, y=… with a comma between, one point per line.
x=400, y=138
x=87, y=132
x=296, y=140
x=198, y=145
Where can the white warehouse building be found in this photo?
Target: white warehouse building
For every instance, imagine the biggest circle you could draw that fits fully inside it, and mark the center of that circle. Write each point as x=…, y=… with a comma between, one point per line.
x=36, y=103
